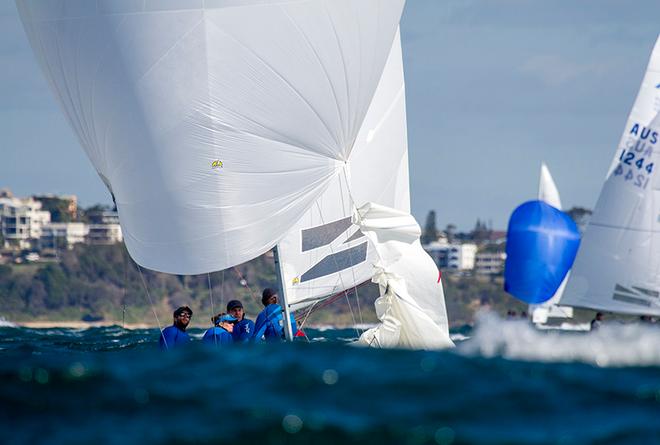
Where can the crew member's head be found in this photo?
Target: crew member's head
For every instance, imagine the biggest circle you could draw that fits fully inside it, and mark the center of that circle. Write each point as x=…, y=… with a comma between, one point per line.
x=224, y=321
x=235, y=308
x=182, y=317
x=269, y=296
x=599, y=316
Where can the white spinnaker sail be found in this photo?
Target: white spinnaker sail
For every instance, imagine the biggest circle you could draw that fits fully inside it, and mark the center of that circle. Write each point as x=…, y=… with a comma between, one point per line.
x=617, y=268
x=324, y=253
x=540, y=313
x=215, y=124
x=412, y=303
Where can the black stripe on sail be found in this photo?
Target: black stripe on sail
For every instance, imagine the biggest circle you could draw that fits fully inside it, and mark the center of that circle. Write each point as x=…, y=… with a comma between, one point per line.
x=619, y=288
x=323, y=235
x=336, y=262
x=647, y=292
x=631, y=300
x=356, y=235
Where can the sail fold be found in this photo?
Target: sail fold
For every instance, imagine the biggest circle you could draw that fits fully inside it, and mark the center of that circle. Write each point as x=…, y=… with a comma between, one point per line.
x=412, y=305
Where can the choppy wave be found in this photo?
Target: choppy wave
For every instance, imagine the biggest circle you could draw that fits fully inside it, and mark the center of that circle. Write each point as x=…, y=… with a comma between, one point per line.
x=111, y=385
x=614, y=344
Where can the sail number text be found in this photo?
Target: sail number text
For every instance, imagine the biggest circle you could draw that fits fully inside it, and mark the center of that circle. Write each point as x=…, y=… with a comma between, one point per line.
x=635, y=161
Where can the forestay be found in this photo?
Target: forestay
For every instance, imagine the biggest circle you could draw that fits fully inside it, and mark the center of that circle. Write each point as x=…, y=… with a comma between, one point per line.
x=325, y=253
x=618, y=266
x=217, y=124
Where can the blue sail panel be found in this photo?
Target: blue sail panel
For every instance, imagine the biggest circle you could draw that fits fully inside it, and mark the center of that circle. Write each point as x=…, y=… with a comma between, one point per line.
x=542, y=242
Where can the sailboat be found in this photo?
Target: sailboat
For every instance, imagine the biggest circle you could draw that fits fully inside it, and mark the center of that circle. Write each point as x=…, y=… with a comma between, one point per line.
x=618, y=266
x=550, y=312
x=226, y=129
x=542, y=242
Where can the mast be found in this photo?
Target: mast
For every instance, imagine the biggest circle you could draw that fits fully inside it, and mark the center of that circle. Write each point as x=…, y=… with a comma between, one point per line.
x=281, y=290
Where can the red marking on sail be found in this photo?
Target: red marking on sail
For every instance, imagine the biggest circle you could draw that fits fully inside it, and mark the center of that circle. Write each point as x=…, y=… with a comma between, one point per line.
x=439, y=275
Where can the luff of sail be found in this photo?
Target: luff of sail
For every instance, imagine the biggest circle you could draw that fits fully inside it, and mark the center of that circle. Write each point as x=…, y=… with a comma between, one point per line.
x=216, y=125
x=618, y=266
x=325, y=253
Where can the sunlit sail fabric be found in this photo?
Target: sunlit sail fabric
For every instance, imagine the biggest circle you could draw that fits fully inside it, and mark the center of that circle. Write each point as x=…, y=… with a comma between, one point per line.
x=618, y=266
x=411, y=307
x=215, y=124
x=324, y=253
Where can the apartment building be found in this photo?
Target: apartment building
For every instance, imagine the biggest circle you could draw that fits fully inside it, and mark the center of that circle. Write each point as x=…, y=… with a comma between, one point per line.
x=21, y=221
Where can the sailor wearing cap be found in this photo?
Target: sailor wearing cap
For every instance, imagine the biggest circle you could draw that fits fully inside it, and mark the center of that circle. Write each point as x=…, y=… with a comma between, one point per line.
x=244, y=328
x=175, y=335
x=220, y=333
x=270, y=322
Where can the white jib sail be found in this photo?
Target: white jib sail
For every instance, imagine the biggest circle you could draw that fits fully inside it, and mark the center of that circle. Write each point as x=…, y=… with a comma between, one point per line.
x=617, y=268
x=324, y=253
x=216, y=125
x=412, y=304
x=540, y=313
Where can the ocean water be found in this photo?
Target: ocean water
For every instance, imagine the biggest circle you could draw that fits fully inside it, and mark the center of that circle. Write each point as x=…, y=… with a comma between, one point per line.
x=506, y=384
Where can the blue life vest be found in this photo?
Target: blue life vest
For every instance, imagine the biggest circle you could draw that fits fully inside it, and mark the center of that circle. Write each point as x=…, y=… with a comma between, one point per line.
x=270, y=324
x=243, y=331
x=217, y=336
x=172, y=337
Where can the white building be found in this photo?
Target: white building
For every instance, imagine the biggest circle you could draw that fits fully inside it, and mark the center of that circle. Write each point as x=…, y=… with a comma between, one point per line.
x=490, y=263
x=452, y=256
x=104, y=234
x=21, y=221
x=63, y=235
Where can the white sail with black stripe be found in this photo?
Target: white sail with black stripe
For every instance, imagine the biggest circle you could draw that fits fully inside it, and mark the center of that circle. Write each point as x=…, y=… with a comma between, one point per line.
x=324, y=253
x=617, y=268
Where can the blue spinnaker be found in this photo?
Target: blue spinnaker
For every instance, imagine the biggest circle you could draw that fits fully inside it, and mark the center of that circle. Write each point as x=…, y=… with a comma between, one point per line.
x=542, y=242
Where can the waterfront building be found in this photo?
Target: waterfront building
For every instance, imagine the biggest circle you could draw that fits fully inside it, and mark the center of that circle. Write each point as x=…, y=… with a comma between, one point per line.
x=104, y=234
x=61, y=236
x=489, y=263
x=21, y=221
x=452, y=256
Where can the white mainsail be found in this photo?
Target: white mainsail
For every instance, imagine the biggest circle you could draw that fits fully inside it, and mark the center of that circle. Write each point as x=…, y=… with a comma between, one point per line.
x=617, y=268
x=540, y=313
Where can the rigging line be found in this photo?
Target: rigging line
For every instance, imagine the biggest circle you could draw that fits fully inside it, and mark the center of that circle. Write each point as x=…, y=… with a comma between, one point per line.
x=123, y=297
x=215, y=337
x=341, y=194
x=341, y=279
x=246, y=285
x=153, y=308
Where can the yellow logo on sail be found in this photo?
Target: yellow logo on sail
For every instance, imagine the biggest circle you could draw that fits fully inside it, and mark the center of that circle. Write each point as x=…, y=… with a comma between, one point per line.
x=295, y=280
x=216, y=164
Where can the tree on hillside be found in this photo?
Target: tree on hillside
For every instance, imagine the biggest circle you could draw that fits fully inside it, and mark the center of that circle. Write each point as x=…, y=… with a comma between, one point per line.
x=580, y=216
x=430, y=232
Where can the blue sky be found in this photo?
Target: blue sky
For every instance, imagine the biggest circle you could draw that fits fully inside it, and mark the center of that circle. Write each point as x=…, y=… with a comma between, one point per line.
x=493, y=88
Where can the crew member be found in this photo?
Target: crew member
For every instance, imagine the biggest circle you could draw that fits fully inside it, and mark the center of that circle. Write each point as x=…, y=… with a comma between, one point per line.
x=270, y=322
x=596, y=322
x=220, y=333
x=175, y=335
x=244, y=328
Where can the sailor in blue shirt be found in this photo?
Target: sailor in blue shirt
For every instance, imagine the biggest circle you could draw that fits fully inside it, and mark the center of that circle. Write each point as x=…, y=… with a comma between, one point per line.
x=244, y=328
x=175, y=336
x=220, y=334
x=270, y=322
